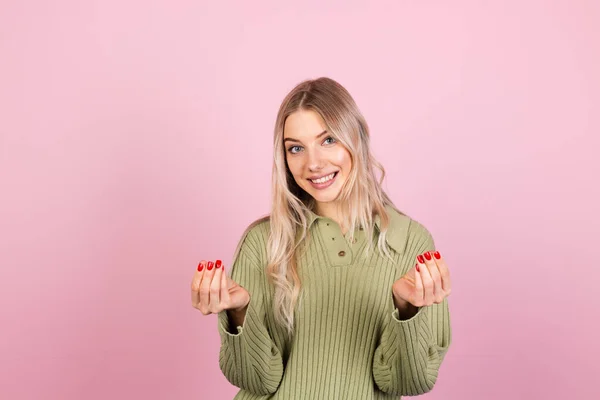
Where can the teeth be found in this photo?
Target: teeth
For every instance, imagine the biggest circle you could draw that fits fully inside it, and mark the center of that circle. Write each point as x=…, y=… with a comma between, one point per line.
x=324, y=179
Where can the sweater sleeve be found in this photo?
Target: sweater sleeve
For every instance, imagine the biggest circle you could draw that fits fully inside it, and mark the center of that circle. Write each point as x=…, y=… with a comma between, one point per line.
x=410, y=352
x=249, y=358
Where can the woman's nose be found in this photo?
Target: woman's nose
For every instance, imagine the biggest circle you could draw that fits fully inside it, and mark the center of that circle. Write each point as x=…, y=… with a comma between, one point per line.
x=315, y=160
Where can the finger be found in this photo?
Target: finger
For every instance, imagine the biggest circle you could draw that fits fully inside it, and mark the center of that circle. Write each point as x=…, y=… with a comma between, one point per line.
x=427, y=281
x=215, y=289
x=224, y=288
x=444, y=272
x=205, y=287
x=196, y=283
x=419, y=292
x=438, y=290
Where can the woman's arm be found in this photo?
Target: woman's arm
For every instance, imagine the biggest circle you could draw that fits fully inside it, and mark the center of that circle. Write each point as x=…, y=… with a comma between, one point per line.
x=413, y=343
x=248, y=357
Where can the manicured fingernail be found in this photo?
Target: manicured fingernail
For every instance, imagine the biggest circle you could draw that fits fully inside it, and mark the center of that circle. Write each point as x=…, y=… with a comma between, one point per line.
x=419, y=257
x=428, y=255
x=200, y=266
x=210, y=265
x=437, y=255
x=218, y=264
x=418, y=270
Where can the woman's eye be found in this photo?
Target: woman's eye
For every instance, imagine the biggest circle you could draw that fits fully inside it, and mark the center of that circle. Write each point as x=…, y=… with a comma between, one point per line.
x=291, y=149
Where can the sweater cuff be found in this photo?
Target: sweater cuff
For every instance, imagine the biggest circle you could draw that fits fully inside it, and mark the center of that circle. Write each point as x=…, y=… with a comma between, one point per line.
x=413, y=331
x=250, y=321
x=224, y=328
x=396, y=315
x=416, y=343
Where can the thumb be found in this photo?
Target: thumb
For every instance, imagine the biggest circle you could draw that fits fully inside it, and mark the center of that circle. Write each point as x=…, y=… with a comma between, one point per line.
x=230, y=282
x=224, y=289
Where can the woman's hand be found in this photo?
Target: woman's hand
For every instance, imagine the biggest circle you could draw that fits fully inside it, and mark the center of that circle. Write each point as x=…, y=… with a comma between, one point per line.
x=428, y=282
x=213, y=291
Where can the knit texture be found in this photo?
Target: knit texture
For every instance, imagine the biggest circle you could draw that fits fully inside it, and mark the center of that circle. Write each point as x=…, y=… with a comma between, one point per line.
x=349, y=342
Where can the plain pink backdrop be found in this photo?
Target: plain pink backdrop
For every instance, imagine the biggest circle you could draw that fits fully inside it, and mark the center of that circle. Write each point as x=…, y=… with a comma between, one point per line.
x=135, y=140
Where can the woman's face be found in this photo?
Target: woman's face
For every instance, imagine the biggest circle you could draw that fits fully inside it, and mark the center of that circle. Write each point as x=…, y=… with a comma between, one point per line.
x=311, y=152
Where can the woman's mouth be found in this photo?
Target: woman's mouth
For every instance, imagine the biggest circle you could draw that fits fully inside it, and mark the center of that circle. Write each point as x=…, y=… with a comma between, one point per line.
x=324, y=182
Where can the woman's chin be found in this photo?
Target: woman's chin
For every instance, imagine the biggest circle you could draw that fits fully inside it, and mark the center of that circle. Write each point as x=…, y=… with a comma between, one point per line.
x=324, y=197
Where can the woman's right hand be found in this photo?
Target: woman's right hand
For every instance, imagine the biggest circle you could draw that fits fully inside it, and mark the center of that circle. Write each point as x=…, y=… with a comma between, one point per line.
x=214, y=291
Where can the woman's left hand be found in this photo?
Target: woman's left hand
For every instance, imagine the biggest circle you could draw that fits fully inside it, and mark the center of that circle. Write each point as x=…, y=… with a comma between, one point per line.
x=427, y=283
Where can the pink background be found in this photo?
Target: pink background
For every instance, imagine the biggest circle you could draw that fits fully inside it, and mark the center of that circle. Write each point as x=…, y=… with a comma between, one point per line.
x=135, y=140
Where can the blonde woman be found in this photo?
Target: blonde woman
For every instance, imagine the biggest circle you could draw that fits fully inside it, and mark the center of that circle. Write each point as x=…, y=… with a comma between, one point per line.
x=336, y=294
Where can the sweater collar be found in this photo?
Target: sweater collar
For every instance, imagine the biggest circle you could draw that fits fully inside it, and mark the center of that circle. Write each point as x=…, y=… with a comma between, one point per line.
x=397, y=228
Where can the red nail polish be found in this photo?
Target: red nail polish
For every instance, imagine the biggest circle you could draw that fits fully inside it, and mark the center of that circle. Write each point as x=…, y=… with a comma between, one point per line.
x=428, y=255
x=417, y=265
x=200, y=266
x=420, y=258
x=218, y=264
x=437, y=255
x=210, y=265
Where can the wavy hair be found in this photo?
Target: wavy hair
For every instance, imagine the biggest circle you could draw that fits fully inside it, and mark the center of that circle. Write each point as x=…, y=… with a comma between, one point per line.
x=360, y=199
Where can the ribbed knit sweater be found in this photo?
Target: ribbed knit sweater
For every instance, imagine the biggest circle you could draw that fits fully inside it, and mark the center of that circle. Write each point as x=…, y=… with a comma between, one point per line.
x=349, y=341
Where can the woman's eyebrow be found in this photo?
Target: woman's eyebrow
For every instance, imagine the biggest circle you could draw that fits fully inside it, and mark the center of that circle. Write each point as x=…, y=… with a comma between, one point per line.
x=296, y=140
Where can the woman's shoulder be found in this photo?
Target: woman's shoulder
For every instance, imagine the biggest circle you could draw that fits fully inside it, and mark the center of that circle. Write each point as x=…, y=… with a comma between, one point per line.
x=405, y=229
x=254, y=237
x=259, y=228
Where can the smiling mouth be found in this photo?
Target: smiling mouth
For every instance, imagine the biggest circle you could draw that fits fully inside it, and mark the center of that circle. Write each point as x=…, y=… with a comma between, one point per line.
x=329, y=177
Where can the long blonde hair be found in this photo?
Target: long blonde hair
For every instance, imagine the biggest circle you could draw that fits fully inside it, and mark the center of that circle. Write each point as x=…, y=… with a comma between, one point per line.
x=360, y=199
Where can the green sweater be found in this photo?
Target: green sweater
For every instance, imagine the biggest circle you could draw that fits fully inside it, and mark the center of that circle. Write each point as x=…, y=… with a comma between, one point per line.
x=349, y=342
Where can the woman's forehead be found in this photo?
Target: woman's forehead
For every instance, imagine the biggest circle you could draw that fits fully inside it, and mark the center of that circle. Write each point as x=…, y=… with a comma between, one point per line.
x=304, y=125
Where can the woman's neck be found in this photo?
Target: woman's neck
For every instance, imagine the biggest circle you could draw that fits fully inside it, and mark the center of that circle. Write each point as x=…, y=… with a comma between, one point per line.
x=331, y=210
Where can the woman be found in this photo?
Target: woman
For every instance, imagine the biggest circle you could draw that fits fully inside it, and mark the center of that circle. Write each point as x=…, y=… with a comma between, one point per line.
x=336, y=294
